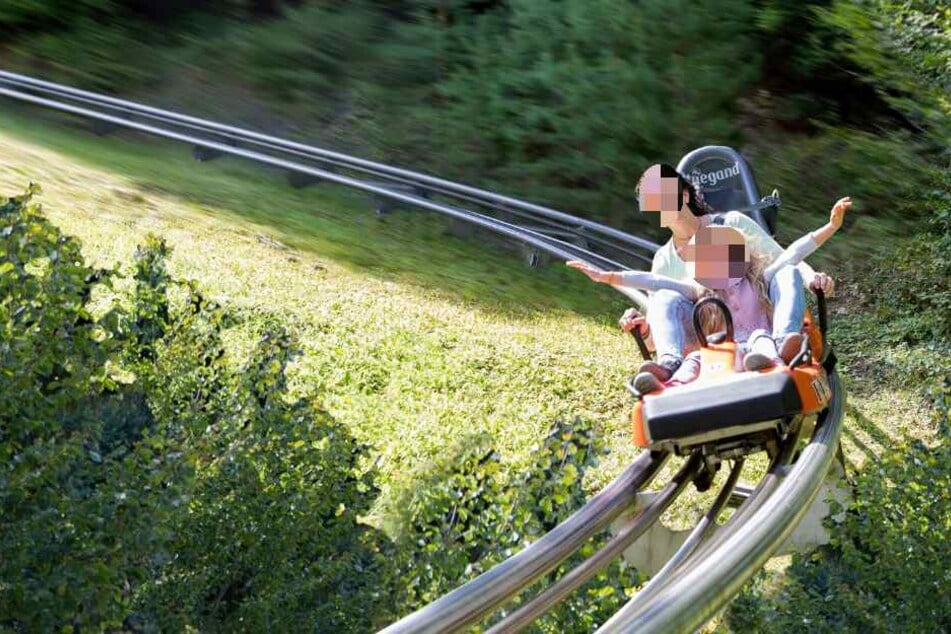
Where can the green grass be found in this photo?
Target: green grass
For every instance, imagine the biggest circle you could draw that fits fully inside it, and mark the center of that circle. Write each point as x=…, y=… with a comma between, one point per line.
x=412, y=337
x=409, y=246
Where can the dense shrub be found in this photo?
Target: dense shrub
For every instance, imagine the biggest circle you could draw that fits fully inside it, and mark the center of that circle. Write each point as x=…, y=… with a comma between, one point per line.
x=271, y=537
x=905, y=291
x=904, y=52
x=514, y=110
x=153, y=483
x=80, y=487
x=313, y=54
x=914, y=298
x=146, y=479
x=109, y=45
x=887, y=567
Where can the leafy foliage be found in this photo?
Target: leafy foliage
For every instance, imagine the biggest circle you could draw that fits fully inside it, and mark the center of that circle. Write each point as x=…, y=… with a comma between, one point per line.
x=193, y=493
x=513, y=109
x=906, y=292
x=154, y=484
x=464, y=518
x=52, y=348
x=272, y=532
x=887, y=567
x=905, y=48
x=914, y=299
x=314, y=52
x=78, y=496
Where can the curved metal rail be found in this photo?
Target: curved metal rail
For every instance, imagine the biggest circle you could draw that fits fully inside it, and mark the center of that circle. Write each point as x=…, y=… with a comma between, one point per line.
x=582, y=228
x=629, y=532
x=557, y=247
x=699, y=532
x=708, y=583
x=707, y=536
x=475, y=600
x=740, y=547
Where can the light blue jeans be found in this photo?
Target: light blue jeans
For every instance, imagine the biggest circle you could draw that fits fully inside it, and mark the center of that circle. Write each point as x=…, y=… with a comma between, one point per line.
x=669, y=314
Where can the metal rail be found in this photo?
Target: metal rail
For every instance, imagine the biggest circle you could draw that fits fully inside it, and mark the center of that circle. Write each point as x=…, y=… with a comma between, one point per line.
x=580, y=227
x=470, y=603
x=708, y=583
x=546, y=243
x=558, y=248
x=700, y=531
x=574, y=579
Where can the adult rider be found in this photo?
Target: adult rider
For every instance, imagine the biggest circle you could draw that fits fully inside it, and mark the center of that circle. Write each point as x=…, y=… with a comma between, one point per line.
x=665, y=191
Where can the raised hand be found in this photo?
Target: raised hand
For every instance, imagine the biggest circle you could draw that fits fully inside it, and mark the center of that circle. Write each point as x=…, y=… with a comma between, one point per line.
x=838, y=212
x=836, y=216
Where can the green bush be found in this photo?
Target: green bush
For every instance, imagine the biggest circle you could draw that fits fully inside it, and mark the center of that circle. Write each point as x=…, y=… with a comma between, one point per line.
x=885, y=174
x=906, y=290
x=156, y=484
x=887, y=567
x=86, y=55
x=152, y=483
x=81, y=496
x=515, y=110
x=314, y=52
x=904, y=52
x=914, y=298
x=271, y=538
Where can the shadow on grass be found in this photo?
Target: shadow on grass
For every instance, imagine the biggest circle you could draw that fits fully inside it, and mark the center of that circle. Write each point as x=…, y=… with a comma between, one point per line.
x=409, y=246
x=867, y=426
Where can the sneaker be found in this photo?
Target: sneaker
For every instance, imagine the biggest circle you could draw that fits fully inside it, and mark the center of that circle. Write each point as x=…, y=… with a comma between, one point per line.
x=645, y=383
x=762, y=352
x=688, y=372
x=662, y=370
x=789, y=346
x=757, y=361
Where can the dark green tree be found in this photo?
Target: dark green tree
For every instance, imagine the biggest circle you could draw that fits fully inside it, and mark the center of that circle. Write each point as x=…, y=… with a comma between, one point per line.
x=662, y=77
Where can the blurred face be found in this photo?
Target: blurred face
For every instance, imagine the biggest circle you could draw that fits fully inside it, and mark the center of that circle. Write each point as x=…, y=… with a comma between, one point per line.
x=661, y=194
x=717, y=257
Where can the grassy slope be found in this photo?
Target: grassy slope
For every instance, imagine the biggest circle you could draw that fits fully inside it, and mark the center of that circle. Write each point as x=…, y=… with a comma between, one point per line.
x=412, y=337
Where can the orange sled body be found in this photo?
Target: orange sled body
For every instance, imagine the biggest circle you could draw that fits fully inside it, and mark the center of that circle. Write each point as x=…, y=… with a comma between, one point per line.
x=724, y=404
x=729, y=405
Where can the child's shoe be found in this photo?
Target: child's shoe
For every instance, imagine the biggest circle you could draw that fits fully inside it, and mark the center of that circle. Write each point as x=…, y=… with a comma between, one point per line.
x=645, y=383
x=663, y=368
x=762, y=352
x=789, y=346
x=688, y=372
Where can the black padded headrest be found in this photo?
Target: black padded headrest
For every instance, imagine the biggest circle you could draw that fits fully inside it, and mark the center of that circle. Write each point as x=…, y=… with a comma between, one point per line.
x=726, y=181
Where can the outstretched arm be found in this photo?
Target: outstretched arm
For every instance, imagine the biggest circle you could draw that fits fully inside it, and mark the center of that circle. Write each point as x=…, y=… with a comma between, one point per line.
x=762, y=242
x=640, y=279
x=826, y=231
x=801, y=248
